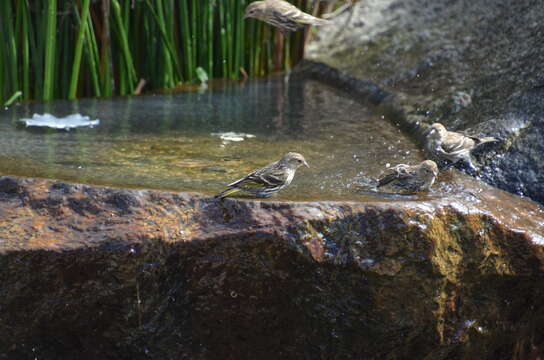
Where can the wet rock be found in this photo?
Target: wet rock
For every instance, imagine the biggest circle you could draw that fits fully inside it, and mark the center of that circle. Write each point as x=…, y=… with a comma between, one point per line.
x=425, y=53
x=9, y=185
x=128, y=274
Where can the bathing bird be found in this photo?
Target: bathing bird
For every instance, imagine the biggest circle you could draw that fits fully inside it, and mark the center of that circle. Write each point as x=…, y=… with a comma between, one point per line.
x=283, y=15
x=268, y=180
x=411, y=179
x=453, y=146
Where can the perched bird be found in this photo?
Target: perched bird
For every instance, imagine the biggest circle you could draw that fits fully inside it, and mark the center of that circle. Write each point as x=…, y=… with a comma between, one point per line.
x=453, y=146
x=283, y=15
x=411, y=179
x=269, y=180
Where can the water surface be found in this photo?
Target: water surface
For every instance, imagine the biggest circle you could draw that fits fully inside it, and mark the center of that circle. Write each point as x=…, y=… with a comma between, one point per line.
x=166, y=142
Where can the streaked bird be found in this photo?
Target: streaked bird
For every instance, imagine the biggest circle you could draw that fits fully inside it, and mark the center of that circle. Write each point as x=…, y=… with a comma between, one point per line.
x=283, y=15
x=411, y=179
x=453, y=146
x=269, y=180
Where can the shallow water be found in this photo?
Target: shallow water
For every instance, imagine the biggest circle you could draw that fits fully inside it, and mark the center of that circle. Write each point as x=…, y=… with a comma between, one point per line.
x=166, y=142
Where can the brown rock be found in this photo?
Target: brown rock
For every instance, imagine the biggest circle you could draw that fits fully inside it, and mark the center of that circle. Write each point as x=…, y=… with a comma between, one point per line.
x=101, y=273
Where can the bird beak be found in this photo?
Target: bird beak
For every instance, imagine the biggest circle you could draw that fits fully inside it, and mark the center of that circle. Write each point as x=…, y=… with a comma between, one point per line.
x=306, y=164
x=246, y=16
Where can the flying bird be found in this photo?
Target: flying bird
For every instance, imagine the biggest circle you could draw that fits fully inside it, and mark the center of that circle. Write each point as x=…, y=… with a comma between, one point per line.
x=268, y=180
x=411, y=179
x=453, y=146
x=283, y=15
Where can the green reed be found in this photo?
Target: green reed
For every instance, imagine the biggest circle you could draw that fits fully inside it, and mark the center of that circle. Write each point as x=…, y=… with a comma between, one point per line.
x=75, y=48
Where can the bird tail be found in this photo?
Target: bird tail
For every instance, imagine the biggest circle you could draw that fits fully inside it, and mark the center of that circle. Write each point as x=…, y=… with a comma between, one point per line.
x=488, y=140
x=321, y=22
x=311, y=20
x=483, y=143
x=387, y=179
x=226, y=193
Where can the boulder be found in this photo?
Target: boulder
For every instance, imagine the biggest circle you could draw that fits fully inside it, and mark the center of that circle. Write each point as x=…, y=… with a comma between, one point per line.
x=473, y=65
x=101, y=273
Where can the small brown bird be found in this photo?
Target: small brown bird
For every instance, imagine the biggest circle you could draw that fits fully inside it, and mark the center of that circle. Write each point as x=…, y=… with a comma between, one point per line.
x=283, y=15
x=268, y=180
x=411, y=179
x=453, y=146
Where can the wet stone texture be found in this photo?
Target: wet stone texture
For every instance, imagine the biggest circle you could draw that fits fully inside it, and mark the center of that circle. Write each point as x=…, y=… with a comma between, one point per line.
x=473, y=65
x=99, y=273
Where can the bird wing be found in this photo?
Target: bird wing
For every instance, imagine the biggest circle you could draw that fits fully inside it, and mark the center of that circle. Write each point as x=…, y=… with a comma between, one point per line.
x=271, y=175
x=284, y=20
x=287, y=9
x=290, y=17
x=307, y=19
x=398, y=172
x=402, y=169
x=243, y=180
x=479, y=141
x=387, y=179
x=459, y=149
x=452, y=141
x=290, y=11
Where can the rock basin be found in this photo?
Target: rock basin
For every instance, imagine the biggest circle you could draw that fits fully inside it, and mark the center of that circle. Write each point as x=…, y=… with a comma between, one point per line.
x=99, y=272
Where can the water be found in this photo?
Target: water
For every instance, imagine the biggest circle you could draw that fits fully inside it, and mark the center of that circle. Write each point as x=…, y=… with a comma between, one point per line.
x=166, y=142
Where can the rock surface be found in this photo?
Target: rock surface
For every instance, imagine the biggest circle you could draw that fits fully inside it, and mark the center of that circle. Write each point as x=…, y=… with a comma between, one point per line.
x=99, y=273
x=473, y=65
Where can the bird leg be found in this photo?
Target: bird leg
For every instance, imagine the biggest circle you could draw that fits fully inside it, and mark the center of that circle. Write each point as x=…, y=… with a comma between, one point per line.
x=348, y=18
x=338, y=11
x=469, y=165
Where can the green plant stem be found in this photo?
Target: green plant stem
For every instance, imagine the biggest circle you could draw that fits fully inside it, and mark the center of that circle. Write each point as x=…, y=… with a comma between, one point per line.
x=186, y=39
x=25, y=48
x=164, y=36
x=14, y=97
x=103, y=47
x=11, y=47
x=120, y=27
x=79, y=48
x=92, y=51
x=48, y=84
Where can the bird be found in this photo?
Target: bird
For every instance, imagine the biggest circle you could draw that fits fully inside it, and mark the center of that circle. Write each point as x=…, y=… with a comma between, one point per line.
x=268, y=180
x=411, y=178
x=283, y=15
x=453, y=146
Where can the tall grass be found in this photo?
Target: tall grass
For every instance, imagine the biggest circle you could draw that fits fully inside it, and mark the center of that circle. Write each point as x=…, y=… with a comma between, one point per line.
x=75, y=48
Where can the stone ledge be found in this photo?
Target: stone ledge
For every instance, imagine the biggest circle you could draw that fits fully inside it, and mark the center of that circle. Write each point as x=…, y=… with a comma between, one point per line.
x=147, y=274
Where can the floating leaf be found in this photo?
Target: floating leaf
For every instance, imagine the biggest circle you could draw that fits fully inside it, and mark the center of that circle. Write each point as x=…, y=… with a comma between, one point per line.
x=201, y=74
